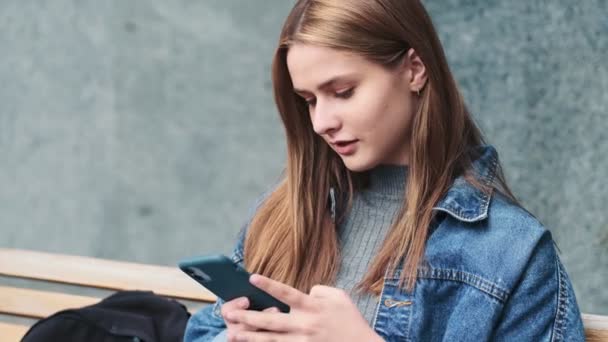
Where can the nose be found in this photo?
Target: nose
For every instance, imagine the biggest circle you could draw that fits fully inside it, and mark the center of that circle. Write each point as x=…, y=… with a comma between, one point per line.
x=325, y=119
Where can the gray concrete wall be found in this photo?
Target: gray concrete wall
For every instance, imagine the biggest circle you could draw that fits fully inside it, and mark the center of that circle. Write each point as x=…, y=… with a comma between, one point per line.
x=143, y=130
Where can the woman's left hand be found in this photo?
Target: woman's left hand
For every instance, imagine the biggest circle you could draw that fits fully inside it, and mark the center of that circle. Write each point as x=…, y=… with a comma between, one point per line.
x=326, y=314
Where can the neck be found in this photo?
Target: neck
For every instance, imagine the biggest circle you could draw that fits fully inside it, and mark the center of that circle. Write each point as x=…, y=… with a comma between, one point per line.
x=389, y=180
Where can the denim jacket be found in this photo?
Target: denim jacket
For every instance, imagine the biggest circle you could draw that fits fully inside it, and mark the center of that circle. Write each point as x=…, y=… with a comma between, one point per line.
x=491, y=272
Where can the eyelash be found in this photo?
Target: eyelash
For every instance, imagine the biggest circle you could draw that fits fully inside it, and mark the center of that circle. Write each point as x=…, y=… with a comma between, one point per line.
x=342, y=95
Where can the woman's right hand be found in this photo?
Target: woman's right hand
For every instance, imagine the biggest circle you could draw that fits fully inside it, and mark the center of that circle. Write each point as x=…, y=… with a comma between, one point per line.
x=241, y=303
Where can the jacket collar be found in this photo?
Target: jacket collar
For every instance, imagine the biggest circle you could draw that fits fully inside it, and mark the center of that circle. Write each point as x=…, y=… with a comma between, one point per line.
x=465, y=202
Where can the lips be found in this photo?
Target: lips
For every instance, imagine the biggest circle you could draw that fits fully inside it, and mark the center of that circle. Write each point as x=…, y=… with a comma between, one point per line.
x=345, y=147
x=343, y=142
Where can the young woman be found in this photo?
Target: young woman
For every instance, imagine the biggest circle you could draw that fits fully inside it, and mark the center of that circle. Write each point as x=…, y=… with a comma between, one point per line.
x=393, y=221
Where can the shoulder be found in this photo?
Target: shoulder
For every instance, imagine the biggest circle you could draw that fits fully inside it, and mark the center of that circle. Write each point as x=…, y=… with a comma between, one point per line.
x=513, y=225
x=497, y=248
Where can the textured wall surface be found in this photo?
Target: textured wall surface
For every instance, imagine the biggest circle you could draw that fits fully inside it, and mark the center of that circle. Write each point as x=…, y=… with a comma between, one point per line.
x=144, y=130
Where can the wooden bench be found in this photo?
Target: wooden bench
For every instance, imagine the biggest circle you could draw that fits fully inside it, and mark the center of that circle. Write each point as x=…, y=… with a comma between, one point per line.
x=115, y=275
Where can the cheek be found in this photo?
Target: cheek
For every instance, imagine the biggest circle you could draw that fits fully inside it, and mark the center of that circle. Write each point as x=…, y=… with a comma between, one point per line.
x=399, y=108
x=380, y=113
x=385, y=115
x=370, y=113
x=392, y=125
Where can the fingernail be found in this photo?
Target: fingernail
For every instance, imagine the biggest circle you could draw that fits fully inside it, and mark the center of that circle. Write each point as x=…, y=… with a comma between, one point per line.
x=254, y=278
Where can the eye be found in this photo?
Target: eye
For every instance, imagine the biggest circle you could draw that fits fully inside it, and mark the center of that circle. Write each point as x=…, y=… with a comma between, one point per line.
x=311, y=102
x=345, y=94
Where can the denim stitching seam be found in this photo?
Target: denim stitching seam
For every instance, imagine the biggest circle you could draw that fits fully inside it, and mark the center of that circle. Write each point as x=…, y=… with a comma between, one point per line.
x=562, y=297
x=484, y=285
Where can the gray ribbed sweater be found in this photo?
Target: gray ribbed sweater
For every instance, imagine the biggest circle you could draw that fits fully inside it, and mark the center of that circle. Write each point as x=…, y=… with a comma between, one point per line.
x=365, y=227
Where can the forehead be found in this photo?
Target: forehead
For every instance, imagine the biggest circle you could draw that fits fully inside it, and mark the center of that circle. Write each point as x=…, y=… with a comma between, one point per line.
x=310, y=65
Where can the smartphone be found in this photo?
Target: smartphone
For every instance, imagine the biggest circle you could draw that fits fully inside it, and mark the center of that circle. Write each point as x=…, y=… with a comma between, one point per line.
x=228, y=281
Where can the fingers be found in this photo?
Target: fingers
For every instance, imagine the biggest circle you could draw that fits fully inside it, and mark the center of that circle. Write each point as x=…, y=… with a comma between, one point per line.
x=240, y=303
x=280, y=291
x=269, y=321
x=236, y=304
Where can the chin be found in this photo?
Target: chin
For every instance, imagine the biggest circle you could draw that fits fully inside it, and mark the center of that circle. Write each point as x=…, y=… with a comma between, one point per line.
x=358, y=164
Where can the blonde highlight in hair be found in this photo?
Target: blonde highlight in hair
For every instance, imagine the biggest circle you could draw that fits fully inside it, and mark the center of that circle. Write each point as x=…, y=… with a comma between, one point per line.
x=292, y=238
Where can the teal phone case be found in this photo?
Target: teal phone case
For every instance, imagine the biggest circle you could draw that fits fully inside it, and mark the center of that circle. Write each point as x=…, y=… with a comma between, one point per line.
x=228, y=281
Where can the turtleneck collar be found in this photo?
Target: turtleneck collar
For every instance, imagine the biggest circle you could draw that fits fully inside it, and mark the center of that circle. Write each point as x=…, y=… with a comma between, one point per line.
x=387, y=180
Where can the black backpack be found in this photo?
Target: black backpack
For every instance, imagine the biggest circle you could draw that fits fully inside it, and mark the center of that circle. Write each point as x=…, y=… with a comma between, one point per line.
x=123, y=316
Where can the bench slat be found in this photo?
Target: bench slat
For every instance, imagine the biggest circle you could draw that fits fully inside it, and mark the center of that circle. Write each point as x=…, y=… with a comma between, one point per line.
x=596, y=327
x=595, y=322
x=12, y=332
x=38, y=304
x=592, y=335
x=100, y=273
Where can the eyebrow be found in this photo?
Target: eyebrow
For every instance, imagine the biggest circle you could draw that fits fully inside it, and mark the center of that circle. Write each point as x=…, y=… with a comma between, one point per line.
x=325, y=84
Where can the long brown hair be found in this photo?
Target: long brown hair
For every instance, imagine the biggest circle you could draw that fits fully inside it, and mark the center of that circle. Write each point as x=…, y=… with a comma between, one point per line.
x=291, y=238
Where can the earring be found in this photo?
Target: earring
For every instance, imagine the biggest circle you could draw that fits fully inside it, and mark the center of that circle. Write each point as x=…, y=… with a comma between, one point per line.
x=418, y=92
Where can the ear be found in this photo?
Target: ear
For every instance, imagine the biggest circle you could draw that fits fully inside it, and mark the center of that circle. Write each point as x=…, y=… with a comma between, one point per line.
x=414, y=71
